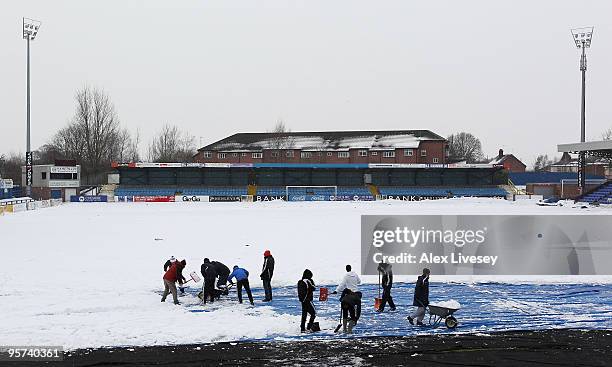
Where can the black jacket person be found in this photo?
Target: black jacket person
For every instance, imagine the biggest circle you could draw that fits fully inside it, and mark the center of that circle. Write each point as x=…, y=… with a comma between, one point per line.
x=306, y=287
x=210, y=276
x=222, y=272
x=267, y=271
x=421, y=298
x=387, y=284
x=421, y=291
x=350, y=302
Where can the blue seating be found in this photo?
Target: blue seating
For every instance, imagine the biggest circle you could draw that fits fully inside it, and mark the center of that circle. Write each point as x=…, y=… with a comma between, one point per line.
x=603, y=194
x=167, y=191
x=524, y=178
x=443, y=191
x=323, y=191
x=342, y=190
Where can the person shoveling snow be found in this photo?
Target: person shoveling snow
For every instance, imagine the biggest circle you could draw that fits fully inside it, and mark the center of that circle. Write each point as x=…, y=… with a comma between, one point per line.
x=173, y=275
x=306, y=287
x=350, y=304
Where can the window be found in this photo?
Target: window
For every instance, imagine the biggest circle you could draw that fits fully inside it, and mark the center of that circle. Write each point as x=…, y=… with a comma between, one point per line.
x=374, y=153
x=306, y=155
x=329, y=154
x=363, y=153
x=447, y=152
x=320, y=154
x=207, y=154
x=234, y=155
x=436, y=160
x=43, y=175
x=257, y=155
x=389, y=154
x=243, y=154
x=274, y=154
x=62, y=176
x=408, y=152
x=221, y=155
x=289, y=154
x=423, y=153
x=343, y=154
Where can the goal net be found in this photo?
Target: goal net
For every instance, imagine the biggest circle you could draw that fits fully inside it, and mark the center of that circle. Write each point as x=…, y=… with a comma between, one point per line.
x=310, y=193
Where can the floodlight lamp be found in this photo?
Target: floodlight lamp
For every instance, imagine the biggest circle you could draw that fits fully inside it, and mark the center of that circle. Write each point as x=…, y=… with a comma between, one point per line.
x=582, y=36
x=30, y=28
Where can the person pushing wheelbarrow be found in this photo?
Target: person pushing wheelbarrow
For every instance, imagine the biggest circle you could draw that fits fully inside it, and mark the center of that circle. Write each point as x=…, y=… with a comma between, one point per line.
x=421, y=298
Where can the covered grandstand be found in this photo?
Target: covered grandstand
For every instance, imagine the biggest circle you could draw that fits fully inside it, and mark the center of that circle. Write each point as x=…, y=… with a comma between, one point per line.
x=306, y=182
x=600, y=194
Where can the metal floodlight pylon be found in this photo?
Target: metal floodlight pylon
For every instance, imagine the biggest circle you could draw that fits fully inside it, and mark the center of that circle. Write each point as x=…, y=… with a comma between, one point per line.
x=582, y=39
x=582, y=36
x=30, y=28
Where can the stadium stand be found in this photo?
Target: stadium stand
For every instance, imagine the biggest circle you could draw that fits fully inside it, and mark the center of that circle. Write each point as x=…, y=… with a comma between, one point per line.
x=167, y=191
x=341, y=191
x=524, y=178
x=600, y=195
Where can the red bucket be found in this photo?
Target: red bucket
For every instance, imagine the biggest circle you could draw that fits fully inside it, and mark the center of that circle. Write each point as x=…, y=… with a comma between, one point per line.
x=323, y=294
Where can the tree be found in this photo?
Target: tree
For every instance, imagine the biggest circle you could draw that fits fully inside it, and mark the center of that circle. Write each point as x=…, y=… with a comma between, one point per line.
x=542, y=161
x=172, y=145
x=607, y=135
x=97, y=124
x=10, y=166
x=279, y=139
x=465, y=146
x=94, y=137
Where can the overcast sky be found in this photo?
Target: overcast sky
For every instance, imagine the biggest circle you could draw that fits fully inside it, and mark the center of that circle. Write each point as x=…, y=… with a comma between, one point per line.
x=504, y=71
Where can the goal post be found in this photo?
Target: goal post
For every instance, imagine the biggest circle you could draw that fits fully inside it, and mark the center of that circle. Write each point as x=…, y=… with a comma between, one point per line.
x=310, y=193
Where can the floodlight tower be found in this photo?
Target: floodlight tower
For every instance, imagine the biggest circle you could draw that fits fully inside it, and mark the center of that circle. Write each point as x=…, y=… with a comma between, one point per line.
x=582, y=38
x=30, y=29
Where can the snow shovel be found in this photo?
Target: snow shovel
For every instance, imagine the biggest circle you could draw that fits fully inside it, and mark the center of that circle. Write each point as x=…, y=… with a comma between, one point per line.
x=340, y=324
x=323, y=294
x=194, y=276
x=378, y=300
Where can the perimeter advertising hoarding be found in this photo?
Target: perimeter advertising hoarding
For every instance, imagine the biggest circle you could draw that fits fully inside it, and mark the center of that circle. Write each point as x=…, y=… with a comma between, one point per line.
x=88, y=199
x=153, y=199
x=488, y=244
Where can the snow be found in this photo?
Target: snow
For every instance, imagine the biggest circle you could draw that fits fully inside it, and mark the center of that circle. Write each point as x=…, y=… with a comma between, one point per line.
x=451, y=303
x=321, y=143
x=89, y=274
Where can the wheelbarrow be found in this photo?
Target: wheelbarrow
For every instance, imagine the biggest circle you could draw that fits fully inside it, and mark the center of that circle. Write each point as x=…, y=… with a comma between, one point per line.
x=439, y=313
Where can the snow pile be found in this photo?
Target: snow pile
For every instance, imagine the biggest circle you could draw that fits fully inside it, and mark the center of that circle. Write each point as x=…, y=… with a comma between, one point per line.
x=451, y=303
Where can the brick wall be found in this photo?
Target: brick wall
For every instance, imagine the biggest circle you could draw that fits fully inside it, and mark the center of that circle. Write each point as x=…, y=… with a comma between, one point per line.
x=433, y=149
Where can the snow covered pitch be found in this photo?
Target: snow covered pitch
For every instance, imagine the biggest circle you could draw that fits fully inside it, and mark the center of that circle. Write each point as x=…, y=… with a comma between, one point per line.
x=89, y=274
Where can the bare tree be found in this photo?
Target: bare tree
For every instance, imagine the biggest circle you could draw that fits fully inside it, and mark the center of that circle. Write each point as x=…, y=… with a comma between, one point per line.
x=98, y=122
x=542, y=161
x=607, y=135
x=280, y=139
x=47, y=154
x=70, y=142
x=126, y=147
x=94, y=137
x=465, y=146
x=172, y=145
x=10, y=166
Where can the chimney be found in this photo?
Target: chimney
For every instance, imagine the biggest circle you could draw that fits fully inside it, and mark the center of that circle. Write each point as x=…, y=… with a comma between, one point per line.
x=501, y=153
